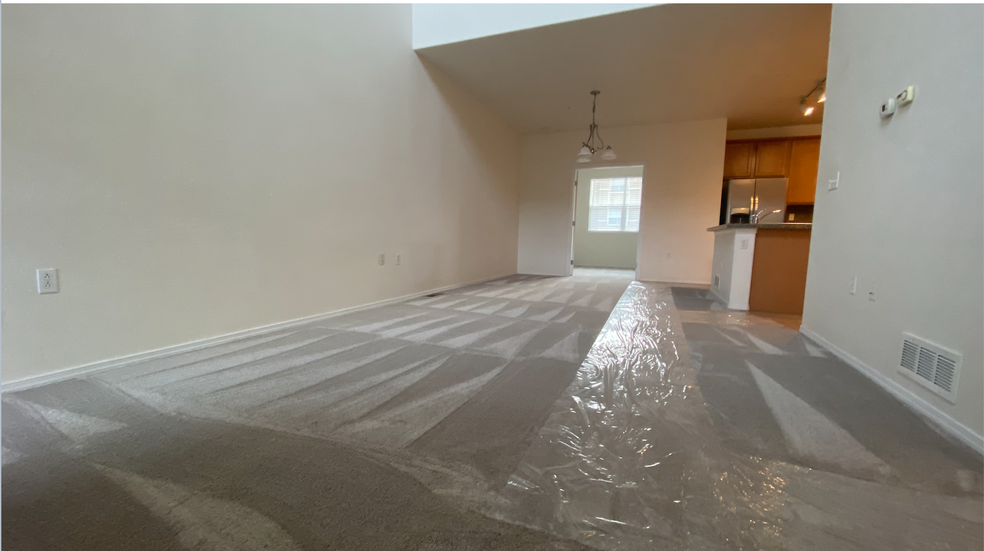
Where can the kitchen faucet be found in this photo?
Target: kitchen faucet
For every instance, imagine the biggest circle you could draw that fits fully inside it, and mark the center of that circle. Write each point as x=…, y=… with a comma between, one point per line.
x=757, y=215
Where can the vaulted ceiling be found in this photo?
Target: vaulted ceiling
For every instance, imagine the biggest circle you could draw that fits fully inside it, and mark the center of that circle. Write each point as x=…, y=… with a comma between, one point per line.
x=748, y=63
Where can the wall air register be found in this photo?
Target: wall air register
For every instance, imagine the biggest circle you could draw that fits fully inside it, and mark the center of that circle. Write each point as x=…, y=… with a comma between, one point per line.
x=932, y=366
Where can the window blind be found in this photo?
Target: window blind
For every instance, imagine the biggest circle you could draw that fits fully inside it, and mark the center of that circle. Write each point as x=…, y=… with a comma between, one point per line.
x=614, y=204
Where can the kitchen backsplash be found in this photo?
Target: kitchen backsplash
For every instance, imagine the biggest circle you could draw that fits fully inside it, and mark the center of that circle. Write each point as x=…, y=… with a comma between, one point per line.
x=799, y=213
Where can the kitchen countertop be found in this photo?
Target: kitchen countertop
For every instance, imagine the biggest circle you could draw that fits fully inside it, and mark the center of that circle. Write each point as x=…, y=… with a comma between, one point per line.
x=787, y=226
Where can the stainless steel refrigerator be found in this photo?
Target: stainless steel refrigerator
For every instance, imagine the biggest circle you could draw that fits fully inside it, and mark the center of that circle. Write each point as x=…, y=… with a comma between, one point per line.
x=763, y=196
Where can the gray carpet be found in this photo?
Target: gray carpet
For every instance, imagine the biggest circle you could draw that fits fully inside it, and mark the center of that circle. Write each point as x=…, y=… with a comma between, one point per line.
x=469, y=421
x=694, y=298
x=368, y=430
x=773, y=393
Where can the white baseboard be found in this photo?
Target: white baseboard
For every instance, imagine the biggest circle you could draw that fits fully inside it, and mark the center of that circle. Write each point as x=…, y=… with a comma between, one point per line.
x=943, y=422
x=679, y=282
x=605, y=268
x=71, y=372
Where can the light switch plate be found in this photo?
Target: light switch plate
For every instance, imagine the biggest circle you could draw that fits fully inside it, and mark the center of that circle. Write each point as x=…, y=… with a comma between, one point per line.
x=835, y=183
x=47, y=280
x=906, y=96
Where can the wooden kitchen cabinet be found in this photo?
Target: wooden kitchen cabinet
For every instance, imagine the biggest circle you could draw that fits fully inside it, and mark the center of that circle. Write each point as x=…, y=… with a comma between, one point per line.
x=793, y=158
x=739, y=159
x=772, y=159
x=779, y=267
x=804, y=160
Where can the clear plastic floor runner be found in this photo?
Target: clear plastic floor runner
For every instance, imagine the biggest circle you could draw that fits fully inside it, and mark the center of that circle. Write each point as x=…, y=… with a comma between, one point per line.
x=630, y=459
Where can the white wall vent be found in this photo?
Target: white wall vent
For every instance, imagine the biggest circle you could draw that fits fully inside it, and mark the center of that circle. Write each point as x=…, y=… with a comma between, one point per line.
x=932, y=366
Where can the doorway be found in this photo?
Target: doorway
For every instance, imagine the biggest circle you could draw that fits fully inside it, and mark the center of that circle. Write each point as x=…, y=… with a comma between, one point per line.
x=607, y=212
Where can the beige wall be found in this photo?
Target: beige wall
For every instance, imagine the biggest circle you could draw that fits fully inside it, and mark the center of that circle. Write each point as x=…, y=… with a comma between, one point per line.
x=198, y=170
x=681, y=197
x=907, y=218
x=602, y=249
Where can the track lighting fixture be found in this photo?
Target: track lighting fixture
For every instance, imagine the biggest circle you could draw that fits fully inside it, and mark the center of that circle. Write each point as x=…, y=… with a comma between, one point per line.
x=820, y=91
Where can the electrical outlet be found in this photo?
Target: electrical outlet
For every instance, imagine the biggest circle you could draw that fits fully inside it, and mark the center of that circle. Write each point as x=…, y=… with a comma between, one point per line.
x=854, y=285
x=744, y=243
x=382, y=259
x=47, y=280
x=398, y=259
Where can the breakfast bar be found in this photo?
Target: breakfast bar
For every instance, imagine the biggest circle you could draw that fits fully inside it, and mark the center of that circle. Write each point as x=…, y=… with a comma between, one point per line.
x=761, y=267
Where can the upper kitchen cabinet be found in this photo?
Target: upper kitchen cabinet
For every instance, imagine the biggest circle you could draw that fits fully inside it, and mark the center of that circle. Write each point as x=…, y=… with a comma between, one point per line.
x=794, y=158
x=804, y=161
x=772, y=159
x=739, y=159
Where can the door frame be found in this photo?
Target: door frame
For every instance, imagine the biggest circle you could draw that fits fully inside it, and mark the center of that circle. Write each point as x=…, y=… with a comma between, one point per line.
x=573, y=212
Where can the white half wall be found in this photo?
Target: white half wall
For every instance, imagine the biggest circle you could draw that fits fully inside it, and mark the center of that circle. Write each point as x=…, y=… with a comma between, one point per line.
x=435, y=24
x=734, y=253
x=907, y=218
x=196, y=170
x=681, y=197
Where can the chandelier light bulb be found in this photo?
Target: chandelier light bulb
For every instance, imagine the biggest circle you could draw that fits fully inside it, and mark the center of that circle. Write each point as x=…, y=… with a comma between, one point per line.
x=584, y=156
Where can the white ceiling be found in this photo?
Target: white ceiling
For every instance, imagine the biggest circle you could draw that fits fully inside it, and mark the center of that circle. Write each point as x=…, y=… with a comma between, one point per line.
x=749, y=63
x=444, y=23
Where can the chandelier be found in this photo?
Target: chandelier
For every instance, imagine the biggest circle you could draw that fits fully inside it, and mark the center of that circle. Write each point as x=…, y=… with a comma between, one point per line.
x=594, y=142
